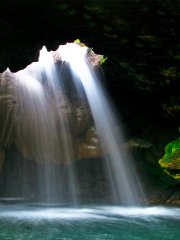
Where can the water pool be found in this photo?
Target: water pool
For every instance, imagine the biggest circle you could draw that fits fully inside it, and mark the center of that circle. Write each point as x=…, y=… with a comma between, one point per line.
x=88, y=222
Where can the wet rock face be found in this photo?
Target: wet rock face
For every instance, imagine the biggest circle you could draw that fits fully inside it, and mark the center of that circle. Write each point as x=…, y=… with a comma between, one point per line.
x=45, y=127
x=91, y=147
x=8, y=108
x=84, y=118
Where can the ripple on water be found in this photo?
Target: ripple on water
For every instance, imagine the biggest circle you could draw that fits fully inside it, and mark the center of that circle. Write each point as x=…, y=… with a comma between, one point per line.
x=97, y=222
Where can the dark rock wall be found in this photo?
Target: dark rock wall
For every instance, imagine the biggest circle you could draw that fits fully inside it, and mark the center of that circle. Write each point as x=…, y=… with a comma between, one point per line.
x=140, y=39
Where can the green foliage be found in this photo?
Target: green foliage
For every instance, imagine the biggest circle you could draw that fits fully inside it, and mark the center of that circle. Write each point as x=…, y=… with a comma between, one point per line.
x=77, y=41
x=104, y=59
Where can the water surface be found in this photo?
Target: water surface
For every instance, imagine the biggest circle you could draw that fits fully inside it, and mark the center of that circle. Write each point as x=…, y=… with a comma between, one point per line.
x=88, y=222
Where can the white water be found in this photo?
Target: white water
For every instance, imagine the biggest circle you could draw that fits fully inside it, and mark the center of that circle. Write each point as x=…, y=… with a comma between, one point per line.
x=42, y=133
x=47, y=63
x=122, y=173
x=86, y=213
x=89, y=222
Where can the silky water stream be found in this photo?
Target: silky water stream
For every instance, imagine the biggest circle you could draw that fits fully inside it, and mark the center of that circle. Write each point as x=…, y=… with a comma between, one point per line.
x=37, y=118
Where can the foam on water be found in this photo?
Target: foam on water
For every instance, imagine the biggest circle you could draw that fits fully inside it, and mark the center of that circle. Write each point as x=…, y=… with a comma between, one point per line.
x=109, y=213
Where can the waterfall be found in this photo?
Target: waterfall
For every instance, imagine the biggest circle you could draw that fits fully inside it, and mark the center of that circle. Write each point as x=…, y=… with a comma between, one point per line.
x=43, y=124
x=121, y=168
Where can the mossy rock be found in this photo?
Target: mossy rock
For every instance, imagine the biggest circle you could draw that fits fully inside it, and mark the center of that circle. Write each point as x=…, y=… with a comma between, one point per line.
x=171, y=160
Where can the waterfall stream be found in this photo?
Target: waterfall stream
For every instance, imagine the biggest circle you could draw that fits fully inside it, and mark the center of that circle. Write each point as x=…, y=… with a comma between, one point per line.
x=42, y=123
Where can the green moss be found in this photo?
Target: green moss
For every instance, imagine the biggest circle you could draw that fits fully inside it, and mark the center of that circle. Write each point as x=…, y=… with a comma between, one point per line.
x=174, y=175
x=171, y=160
x=170, y=72
x=77, y=41
x=104, y=59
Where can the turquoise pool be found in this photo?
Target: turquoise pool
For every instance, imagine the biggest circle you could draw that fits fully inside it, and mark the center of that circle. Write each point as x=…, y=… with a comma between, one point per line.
x=23, y=222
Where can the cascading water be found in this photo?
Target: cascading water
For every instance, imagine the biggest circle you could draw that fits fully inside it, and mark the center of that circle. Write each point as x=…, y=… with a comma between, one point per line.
x=42, y=127
x=122, y=173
